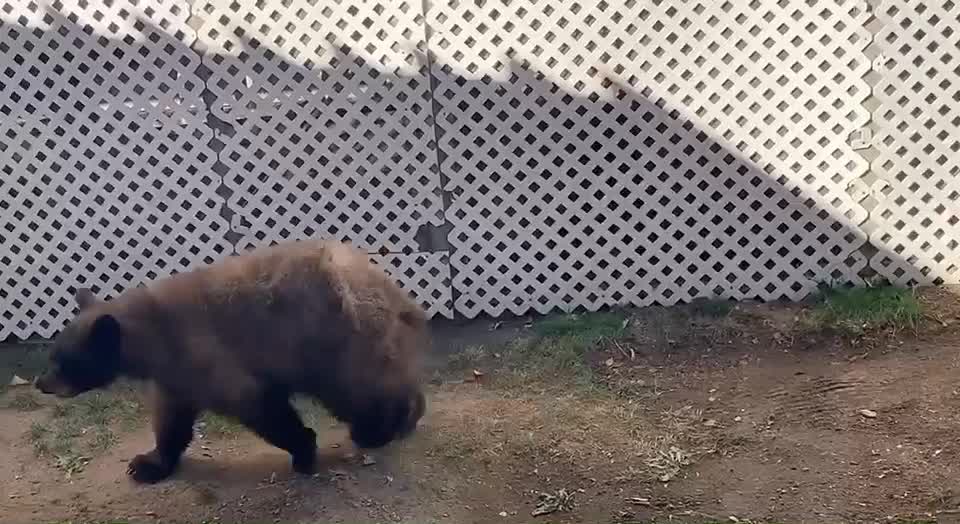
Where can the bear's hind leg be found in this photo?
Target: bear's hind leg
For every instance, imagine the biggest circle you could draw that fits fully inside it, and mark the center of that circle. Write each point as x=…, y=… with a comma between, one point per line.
x=173, y=428
x=277, y=422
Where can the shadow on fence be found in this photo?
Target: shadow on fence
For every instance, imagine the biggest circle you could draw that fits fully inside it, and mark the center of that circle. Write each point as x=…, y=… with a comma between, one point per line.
x=683, y=216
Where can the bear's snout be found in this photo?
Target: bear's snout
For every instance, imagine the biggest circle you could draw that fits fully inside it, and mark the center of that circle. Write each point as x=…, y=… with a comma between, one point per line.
x=50, y=384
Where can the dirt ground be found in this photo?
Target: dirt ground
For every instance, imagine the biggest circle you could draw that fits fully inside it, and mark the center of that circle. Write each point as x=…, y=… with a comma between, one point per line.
x=689, y=414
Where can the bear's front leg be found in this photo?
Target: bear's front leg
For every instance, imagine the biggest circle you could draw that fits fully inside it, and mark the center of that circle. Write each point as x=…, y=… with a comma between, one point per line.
x=173, y=427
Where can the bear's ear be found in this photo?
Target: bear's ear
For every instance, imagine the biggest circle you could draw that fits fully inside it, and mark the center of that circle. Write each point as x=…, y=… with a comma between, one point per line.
x=85, y=298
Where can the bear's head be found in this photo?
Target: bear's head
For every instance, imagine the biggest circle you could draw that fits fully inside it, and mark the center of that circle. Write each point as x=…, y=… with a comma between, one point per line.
x=86, y=354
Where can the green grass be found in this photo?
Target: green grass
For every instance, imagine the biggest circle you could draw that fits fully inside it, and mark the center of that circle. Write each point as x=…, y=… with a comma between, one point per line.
x=313, y=413
x=858, y=309
x=85, y=426
x=23, y=400
x=215, y=425
x=467, y=358
x=717, y=308
x=555, y=353
x=588, y=328
x=559, y=361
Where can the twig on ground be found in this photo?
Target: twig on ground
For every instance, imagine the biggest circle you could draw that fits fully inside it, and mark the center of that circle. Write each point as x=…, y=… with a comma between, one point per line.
x=619, y=347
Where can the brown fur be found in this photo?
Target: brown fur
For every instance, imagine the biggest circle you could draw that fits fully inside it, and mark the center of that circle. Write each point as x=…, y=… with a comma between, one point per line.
x=239, y=337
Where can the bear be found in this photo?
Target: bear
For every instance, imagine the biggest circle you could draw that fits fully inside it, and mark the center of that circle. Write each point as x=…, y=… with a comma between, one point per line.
x=243, y=335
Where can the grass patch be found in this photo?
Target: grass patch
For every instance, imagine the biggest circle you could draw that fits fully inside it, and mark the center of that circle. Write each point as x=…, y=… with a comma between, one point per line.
x=24, y=400
x=558, y=361
x=858, y=309
x=588, y=327
x=717, y=308
x=554, y=354
x=216, y=425
x=558, y=354
x=531, y=361
x=312, y=412
x=84, y=426
x=468, y=358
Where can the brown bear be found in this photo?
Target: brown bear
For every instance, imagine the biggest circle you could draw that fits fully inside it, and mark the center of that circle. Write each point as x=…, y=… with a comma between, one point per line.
x=241, y=336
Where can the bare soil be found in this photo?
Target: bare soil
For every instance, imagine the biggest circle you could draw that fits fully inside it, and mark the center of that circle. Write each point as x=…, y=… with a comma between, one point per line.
x=752, y=415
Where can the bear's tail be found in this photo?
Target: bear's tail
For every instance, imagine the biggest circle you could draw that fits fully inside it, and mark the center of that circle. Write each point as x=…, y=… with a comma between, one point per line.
x=387, y=419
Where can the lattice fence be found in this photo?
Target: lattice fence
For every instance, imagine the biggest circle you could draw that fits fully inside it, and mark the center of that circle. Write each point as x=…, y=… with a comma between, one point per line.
x=631, y=152
x=917, y=221
x=577, y=154
x=328, y=129
x=106, y=174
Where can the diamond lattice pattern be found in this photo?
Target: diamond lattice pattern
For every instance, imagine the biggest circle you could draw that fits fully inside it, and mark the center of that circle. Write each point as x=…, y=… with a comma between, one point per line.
x=326, y=129
x=577, y=154
x=106, y=174
x=630, y=152
x=916, y=224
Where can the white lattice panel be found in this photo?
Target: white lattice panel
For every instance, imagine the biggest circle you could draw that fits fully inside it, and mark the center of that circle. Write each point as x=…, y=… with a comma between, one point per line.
x=426, y=276
x=107, y=204
x=918, y=219
x=78, y=57
x=105, y=172
x=328, y=128
x=332, y=122
x=630, y=152
x=285, y=182
x=596, y=153
x=344, y=58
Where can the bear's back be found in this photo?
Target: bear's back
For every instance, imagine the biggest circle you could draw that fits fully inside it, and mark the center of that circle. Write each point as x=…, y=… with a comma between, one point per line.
x=291, y=309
